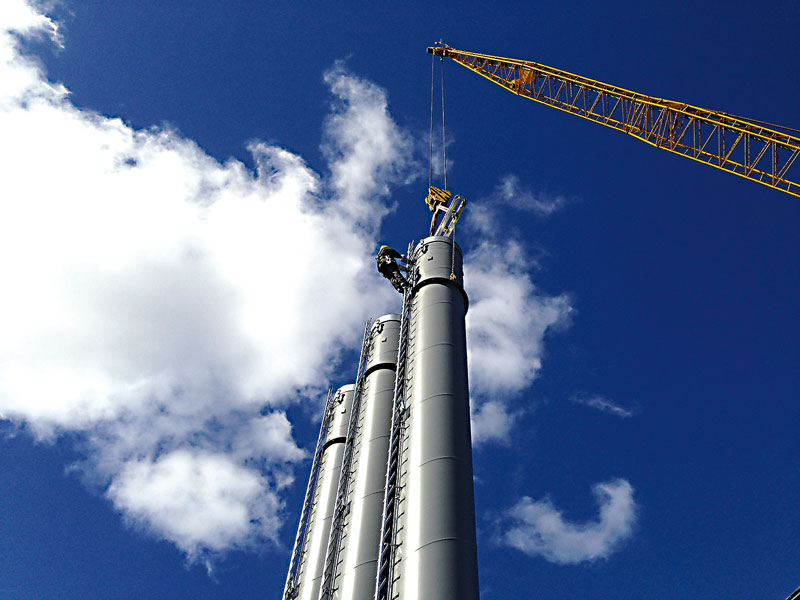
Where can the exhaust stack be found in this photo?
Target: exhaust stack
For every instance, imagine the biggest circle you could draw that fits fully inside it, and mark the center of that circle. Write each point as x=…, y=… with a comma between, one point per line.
x=355, y=577
x=309, y=577
x=436, y=557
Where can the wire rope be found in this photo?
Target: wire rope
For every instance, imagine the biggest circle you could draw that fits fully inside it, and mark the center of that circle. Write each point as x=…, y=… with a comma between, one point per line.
x=444, y=134
x=444, y=154
x=430, y=158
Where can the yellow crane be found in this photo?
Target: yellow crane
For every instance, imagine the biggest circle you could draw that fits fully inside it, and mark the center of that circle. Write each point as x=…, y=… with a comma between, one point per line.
x=749, y=148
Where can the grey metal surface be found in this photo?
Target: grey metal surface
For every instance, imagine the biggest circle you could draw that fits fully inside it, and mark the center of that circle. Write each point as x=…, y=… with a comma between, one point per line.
x=384, y=351
x=436, y=556
x=299, y=543
x=341, y=416
x=356, y=572
x=433, y=258
x=342, y=503
x=311, y=567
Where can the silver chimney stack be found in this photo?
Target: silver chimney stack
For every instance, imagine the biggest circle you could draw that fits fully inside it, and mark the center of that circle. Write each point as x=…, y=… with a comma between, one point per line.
x=436, y=555
x=312, y=562
x=357, y=568
x=390, y=510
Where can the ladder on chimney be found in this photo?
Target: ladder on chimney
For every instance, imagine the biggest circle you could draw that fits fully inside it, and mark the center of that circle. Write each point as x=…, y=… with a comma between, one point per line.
x=342, y=506
x=387, y=546
x=290, y=589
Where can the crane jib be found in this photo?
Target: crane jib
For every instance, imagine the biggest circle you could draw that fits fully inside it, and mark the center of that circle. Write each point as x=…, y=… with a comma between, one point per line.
x=755, y=150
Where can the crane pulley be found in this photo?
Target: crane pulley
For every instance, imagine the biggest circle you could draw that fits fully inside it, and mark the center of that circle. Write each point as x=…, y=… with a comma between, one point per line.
x=751, y=149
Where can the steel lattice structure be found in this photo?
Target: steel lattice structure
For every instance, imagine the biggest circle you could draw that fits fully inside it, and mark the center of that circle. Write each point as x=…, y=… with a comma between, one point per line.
x=751, y=149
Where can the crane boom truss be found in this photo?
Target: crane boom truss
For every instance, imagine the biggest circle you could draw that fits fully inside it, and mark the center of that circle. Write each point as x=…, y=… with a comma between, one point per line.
x=740, y=146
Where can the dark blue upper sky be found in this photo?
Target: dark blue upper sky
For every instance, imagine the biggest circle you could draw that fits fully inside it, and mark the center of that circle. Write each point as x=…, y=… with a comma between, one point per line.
x=685, y=280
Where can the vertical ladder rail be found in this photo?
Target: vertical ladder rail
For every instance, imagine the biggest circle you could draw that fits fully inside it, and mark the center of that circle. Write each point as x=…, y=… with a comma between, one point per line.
x=386, y=553
x=342, y=506
x=290, y=589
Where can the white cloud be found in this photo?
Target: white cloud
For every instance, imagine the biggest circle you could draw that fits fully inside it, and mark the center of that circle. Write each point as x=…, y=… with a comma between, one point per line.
x=538, y=528
x=28, y=19
x=492, y=421
x=269, y=438
x=603, y=405
x=366, y=149
x=508, y=319
x=507, y=322
x=510, y=192
x=488, y=213
x=197, y=500
x=155, y=300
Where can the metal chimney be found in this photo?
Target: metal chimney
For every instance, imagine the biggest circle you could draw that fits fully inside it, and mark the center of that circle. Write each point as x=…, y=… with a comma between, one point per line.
x=390, y=510
x=309, y=577
x=356, y=571
x=436, y=553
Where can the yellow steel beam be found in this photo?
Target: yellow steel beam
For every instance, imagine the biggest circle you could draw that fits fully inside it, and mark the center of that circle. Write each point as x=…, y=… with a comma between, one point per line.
x=748, y=148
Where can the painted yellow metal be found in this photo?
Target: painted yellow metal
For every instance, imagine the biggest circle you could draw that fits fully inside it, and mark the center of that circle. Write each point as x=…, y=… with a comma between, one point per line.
x=745, y=147
x=436, y=197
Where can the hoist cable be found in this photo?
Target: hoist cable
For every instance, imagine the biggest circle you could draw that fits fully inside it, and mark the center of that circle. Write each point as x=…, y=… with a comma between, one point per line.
x=430, y=159
x=444, y=135
x=444, y=153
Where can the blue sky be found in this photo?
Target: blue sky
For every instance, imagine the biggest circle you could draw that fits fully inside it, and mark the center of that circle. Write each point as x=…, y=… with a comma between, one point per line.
x=190, y=195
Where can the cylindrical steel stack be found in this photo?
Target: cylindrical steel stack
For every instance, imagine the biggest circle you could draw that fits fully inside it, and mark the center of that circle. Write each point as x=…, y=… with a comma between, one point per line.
x=437, y=551
x=429, y=551
x=319, y=524
x=357, y=569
